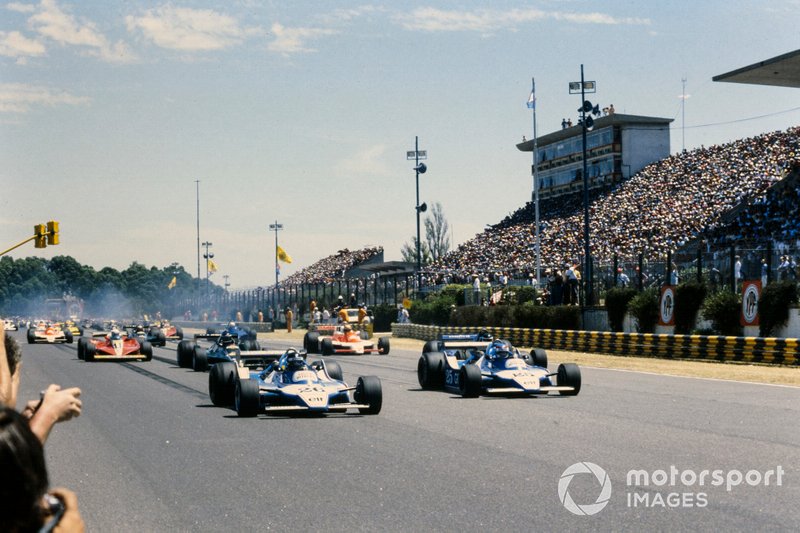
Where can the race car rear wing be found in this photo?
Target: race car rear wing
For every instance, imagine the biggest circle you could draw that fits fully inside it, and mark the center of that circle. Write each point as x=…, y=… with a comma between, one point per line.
x=463, y=341
x=258, y=358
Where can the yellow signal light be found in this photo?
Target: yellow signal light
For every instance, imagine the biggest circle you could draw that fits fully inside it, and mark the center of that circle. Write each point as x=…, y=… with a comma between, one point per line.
x=40, y=232
x=52, y=232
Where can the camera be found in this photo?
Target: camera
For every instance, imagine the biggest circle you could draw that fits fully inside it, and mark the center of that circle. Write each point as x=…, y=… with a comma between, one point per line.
x=53, y=510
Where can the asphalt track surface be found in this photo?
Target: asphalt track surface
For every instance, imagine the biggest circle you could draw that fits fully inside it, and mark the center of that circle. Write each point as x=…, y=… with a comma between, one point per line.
x=150, y=453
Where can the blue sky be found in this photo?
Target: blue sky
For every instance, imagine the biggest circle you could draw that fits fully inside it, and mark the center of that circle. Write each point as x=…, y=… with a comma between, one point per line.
x=302, y=112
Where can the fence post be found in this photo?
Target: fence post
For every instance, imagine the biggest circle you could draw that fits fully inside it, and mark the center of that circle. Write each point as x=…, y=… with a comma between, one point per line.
x=668, y=269
x=641, y=272
x=699, y=264
x=769, y=262
x=733, y=267
x=614, y=271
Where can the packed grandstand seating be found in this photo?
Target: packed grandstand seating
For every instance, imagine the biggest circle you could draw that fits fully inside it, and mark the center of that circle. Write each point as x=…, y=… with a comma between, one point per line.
x=334, y=266
x=662, y=207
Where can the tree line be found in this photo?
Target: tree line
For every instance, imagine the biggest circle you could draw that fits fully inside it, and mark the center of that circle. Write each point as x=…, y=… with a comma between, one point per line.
x=25, y=285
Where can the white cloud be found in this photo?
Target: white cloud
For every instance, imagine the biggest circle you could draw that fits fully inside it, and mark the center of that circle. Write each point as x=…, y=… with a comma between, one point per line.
x=293, y=40
x=14, y=44
x=53, y=23
x=21, y=98
x=369, y=162
x=189, y=29
x=487, y=20
x=20, y=7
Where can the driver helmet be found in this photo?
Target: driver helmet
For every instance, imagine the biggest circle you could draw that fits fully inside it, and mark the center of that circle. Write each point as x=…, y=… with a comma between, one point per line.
x=115, y=334
x=499, y=349
x=347, y=328
x=295, y=361
x=231, y=324
x=226, y=338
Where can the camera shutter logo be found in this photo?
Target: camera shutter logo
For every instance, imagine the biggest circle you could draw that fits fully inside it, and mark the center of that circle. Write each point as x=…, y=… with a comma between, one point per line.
x=587, y=509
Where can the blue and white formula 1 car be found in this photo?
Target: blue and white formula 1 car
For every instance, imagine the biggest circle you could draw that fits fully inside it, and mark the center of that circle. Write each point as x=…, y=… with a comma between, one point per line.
x=224, y=349
x=472, y=365
x=291, y=385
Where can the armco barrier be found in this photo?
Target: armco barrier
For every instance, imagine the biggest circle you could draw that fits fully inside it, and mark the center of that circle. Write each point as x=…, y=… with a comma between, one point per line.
x=767, y=350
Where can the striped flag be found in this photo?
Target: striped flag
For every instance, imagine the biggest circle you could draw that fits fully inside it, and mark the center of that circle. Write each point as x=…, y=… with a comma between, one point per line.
x=532, y=100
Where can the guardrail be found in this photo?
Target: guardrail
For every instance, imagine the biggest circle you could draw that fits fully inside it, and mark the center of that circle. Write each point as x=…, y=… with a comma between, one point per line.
x=766, y=350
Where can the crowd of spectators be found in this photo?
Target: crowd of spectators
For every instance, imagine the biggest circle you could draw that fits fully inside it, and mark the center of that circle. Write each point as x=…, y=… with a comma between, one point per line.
x=660, y=208
x=334, y=266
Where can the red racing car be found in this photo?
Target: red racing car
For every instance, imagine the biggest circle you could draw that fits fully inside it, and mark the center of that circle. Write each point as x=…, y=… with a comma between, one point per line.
x=114, y=346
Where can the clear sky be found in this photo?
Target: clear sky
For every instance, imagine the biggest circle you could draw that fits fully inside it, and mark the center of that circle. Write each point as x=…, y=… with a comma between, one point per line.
x=302, y=112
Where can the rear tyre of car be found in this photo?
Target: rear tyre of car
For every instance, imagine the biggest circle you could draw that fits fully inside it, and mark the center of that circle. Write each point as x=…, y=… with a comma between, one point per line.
x=81, y=347
x=89, y=351
x=430, y=370
x=68, y=336
x=31, y=336
x=327, y=346
x=161, y=339
x=185, y=350
x=368, y=391
x=569, y=375
x=199, y=359
x=431, y=346
x=179, y=332
x=247, y=398
x=539, y=357
x=383, y=346
x=147, y=350
x=221, y=384
x=469, y=381
x=334, y=370
x=311, y=342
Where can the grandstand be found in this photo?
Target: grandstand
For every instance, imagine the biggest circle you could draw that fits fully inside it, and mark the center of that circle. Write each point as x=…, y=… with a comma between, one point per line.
x=659, y=209
x=343, y=264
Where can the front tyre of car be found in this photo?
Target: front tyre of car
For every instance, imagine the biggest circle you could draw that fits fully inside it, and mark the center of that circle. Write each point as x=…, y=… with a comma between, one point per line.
x=569, y=375
x=469, y=381
x=368, y=391
x=247, y=397
x=221, y=385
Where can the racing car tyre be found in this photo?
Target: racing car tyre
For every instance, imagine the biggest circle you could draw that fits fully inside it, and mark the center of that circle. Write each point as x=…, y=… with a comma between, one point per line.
x=311, y=342
x=185, y=349
x=81, y=347
x=31, y=336
x=327, y=346
x=89, y=351
x=179, y=332
x=147, y=350
x=539, y=357
x=247, y=397
x=368, y=391
x=68, y=336
x=431, y=346
x=199, y=359
x=570, y=375
x=221, y=384
x=469, y=381
x=161, y=338
x=430, y=370
x=383, y=346
x=334, y=370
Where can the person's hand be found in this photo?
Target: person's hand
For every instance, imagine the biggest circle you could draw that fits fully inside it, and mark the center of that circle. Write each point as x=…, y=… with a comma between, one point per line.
x=30, y=408
x=71, y=521
x=57, y=406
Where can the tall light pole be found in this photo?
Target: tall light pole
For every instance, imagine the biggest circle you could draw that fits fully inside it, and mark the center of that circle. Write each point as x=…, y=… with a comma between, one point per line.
x=208, y=255
x=419, y=168
x=276, y=228
x=586, y=124
x=683, y=98
x=535, y=170
x=197, y=182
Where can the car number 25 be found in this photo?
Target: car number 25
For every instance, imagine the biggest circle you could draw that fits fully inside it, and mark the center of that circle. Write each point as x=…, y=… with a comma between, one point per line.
x=451, y=377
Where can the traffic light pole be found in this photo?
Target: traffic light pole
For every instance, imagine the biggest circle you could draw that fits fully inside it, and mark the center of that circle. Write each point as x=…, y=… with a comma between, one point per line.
x=42, y=234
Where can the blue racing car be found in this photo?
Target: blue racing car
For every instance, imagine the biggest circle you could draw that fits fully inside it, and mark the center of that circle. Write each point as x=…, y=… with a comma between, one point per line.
x=224, y=348
x=476, y=364
x=291, y=385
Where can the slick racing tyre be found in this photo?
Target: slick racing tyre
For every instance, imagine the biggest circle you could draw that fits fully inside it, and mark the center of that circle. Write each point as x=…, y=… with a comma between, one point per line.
x=199, y=359
x=221, y=384
x=247, y=398
x=368, y=391
x=569, y=375
x=430, y=370
x=469, y=381
x=383, y=346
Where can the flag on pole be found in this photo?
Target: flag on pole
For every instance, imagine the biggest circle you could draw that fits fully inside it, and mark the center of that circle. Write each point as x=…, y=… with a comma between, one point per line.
x=532, y=100
x=212, y=267
x=283, y=256
x=173, y=282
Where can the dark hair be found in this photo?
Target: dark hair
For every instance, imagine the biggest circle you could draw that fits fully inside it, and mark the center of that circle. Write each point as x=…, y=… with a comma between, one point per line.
x=13, y=353
x=24, y=481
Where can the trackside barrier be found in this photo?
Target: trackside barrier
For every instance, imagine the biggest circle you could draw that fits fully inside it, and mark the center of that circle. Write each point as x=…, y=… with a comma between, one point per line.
x=767, y=350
